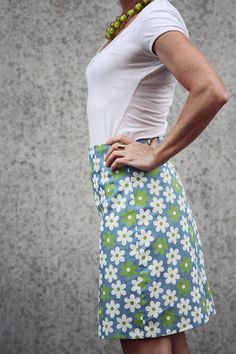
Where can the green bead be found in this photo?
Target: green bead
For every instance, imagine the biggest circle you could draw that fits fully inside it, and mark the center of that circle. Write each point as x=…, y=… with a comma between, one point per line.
x=131, y=12
x=123, y=18
x=138, y=6
x=111, y=30
x=117, y=24
x=108, y=35
x=120, y=20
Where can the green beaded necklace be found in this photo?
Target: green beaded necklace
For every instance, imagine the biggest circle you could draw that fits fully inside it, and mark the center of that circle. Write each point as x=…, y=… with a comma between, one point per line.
x=120, y=21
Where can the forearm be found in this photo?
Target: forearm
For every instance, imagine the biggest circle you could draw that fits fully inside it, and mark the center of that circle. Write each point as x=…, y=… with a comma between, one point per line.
x=199, y=109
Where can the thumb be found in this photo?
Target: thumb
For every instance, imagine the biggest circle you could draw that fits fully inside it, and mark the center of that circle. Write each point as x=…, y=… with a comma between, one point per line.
x=153, y=141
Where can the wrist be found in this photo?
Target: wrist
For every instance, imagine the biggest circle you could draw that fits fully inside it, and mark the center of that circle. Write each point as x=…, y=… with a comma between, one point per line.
x=160, y=155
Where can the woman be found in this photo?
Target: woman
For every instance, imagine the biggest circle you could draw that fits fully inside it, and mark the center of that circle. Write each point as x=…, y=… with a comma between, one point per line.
x=152, y=277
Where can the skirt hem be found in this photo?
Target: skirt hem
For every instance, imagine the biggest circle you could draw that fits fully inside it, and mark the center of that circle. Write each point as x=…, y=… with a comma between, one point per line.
x=146, y=336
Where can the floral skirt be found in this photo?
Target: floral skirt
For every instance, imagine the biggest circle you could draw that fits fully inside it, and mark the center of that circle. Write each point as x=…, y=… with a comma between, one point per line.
x=152, y=274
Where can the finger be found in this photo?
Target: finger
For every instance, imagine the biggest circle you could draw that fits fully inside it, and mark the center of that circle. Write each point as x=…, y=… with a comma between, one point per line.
x=114, y=147
x=120, y=138
x=114, y=155
x=120, y=161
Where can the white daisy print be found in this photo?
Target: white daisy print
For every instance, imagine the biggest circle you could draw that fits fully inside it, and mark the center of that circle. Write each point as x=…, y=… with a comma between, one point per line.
x=172, y=275
x=155, y=289
x=170, y=297
x=145, y=237
x=138, y=179
x=184, y=223
x=169, y=194
x=197, y=314
x=144, y=257
x=118, y=289
x=117, y=255
x=111, y=221
x=166, y=176
x=152, y=329
x=118, y=202
x=173, y=256
x=132, y=303
x=153, y=309
x=173, y=235
x=125, y=185
x=184, y=324
x=184, y=306
x=124, y=323
x=111, y=273
x=112, y=309
x=154, y=186
x=144, y=217
x=158, y=205
x=186, y=243
x=137, y=333
x=161, y=223
x=124, y=236
x=102, y=259
x=107, y=326
x=196, y=294
x=156, y=268
x=152, y=277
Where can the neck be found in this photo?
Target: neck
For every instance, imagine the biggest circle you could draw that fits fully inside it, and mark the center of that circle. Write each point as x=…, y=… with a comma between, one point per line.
x=127, y=4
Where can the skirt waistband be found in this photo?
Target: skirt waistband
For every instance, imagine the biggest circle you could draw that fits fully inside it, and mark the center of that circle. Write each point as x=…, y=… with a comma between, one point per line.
x=141, y=140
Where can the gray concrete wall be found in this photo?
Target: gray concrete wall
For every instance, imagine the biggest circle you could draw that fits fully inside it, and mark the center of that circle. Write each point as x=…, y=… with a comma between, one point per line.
x=48, y=220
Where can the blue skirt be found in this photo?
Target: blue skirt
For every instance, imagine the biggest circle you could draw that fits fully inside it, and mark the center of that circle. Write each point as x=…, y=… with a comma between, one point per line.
x=152, y=274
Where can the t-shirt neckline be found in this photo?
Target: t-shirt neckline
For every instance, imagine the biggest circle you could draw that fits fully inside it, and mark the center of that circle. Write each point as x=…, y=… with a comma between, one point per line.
x=100, y=50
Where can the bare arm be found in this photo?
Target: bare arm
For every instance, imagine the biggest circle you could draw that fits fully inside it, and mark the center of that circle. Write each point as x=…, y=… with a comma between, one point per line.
x=207, y=93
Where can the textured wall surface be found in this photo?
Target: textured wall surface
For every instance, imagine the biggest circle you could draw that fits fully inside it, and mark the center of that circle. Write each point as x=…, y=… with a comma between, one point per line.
x=48, y=221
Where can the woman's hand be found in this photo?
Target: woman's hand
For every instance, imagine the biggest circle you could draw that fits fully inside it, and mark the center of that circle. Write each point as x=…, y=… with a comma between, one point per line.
x=135, y=154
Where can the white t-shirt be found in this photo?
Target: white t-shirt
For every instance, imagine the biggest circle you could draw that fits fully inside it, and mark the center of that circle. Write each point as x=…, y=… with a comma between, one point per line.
x=130, y=91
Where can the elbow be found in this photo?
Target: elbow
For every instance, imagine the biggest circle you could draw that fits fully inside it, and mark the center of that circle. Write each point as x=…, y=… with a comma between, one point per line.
x=216, y=93
x=221, y=96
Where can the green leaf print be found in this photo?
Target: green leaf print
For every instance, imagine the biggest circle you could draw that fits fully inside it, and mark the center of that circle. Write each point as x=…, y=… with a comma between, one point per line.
x=118, y=172
x=145, y=279
x=208, y=289
x=109, y=187
x=100, y=311
x=153, y=172
x=183, y=286
x=118, y=335
x=138, y=318
x=160, y=245
x=143, y=299
x=129, y=217
x=108, y=240
x=191, y=233
x=141, y=198
x=174, y=213
x=91, y=168
x=128, y=269
x=176, y=185
x=105, y=293
x=186, y=264
x=100, y=148
x=168, y=318
x=100, y=209
x=203, y=305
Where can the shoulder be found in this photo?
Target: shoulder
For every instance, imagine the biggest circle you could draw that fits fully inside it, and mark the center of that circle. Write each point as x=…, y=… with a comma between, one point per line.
x=157, y=18
x=161, y=6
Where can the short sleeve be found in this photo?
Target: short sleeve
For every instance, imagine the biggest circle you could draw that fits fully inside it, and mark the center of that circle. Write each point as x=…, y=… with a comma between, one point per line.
x=158, y=20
